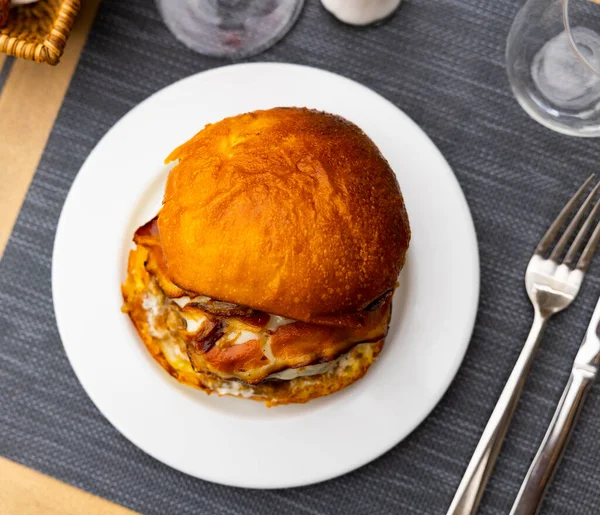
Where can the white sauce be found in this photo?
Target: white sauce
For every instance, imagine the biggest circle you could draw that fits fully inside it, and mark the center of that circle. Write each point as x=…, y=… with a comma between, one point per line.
x=153, y=310
x=151, y=304
x=193, y=322
x=276, y=322
x=235, y=388
x=193, y=325
x=185, y=300
x=181, y=301
x=311, y=370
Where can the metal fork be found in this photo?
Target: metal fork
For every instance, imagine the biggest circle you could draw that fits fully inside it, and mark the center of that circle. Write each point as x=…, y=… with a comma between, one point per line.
x=551, y=285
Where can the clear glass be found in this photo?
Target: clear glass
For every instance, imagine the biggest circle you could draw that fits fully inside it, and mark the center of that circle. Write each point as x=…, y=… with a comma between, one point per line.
x=229, y=28
x=553, y=64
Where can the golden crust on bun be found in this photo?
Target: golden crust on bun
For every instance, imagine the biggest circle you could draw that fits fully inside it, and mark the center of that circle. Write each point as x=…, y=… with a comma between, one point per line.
x=288, y=211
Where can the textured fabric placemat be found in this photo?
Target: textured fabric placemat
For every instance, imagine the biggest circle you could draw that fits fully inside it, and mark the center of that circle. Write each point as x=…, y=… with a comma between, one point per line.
x=440, y=61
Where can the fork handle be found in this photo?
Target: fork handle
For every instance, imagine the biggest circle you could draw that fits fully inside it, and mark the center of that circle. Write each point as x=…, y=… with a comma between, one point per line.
x=472, y=485
x=553, y=446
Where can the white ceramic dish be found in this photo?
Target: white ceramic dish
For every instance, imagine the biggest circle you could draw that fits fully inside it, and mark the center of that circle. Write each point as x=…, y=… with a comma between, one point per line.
x=233, y=441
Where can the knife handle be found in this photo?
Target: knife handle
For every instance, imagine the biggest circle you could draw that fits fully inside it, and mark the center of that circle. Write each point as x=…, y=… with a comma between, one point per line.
x=471, y=487
x=555, y=441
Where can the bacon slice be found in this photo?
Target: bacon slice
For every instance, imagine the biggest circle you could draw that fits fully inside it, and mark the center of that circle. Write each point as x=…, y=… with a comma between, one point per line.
x=301, y=344
x=147, y=236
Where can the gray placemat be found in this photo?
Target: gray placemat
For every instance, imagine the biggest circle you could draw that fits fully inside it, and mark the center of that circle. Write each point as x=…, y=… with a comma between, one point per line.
x=440, y=61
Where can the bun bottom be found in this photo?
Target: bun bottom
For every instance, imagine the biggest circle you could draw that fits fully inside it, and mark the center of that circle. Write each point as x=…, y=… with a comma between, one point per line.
x=169, y=351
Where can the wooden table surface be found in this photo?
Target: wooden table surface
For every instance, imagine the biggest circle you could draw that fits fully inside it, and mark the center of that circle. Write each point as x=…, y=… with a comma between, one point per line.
x=30, y=97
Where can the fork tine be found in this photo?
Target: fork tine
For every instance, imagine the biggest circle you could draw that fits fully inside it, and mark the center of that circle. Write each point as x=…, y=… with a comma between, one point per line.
x=570, y=230
x=576, y=245
x=588, y=252
x=560, y=219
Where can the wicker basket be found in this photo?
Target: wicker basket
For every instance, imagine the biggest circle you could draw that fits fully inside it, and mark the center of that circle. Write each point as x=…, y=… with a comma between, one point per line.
x=39, y=31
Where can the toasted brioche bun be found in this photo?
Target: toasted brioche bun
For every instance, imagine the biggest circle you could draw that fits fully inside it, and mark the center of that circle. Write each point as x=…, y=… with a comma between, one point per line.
x=288, y=211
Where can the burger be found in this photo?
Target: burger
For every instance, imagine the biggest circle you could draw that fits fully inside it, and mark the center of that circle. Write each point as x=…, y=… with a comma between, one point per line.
x=269, y=271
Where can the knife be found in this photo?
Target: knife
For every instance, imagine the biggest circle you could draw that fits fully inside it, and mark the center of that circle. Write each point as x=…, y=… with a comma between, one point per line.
x=546, y=461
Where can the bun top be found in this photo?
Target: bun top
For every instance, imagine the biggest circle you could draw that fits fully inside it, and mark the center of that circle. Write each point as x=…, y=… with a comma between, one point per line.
x=289, y=211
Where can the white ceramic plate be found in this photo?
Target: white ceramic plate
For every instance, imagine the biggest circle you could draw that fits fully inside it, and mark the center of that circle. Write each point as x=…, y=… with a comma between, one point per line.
x=234, y=441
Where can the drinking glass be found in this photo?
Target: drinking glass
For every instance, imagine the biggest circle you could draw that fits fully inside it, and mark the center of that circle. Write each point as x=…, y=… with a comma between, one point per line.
x=553, y=64
x=229, y=28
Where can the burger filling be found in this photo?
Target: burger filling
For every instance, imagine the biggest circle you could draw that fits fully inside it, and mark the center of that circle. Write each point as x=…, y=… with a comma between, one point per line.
x=161, y=310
